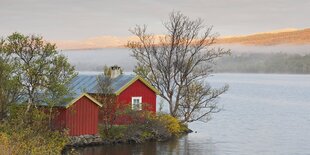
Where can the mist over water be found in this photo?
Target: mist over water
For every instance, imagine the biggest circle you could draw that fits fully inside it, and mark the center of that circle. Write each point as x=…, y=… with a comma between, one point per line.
x=245, y=59
x=95, y=59
x=289, y=49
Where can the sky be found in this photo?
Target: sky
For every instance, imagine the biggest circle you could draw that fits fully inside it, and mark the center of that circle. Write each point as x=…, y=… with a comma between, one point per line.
x=81, y=19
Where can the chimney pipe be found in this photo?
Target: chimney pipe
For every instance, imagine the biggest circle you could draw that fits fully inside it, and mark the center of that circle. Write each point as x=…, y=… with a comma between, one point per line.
x=115, y=71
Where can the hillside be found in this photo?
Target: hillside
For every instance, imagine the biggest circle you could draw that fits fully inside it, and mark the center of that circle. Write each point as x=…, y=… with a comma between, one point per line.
x=296, y=37
x=292, y=36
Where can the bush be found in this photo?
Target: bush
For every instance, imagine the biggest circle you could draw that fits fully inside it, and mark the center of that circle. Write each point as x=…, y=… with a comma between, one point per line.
x=29, y=133
x=144, y=126
x=116, y=132
x=171, y=123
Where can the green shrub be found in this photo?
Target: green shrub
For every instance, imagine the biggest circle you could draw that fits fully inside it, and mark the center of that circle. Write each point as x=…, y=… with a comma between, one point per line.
x=29, y=133
x=146, y=125
x=184, y=128
x=146, y=135
x=116, y=132
x=171, y=123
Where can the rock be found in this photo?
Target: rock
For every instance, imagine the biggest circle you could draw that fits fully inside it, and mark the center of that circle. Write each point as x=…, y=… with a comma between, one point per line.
x=189, y=131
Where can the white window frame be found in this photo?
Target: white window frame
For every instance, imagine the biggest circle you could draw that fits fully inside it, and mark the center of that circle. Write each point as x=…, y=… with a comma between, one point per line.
x=132, y=102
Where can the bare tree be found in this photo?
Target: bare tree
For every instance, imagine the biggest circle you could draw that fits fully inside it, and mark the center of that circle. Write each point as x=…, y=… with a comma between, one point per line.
x=178, y=64
x=109, y=109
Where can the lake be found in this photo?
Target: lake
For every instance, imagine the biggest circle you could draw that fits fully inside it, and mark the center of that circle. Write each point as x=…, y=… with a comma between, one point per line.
x=263, y=114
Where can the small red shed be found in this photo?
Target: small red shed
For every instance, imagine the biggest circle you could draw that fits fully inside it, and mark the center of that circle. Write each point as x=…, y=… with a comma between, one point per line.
x=80, y=116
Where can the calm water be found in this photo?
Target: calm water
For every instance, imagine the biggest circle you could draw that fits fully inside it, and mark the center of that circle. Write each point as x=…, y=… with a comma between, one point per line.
x=262, y=114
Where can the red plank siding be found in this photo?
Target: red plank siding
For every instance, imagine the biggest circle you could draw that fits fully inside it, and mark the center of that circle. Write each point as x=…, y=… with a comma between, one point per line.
x=81, y=118
x=137, y=89
x=59, y=120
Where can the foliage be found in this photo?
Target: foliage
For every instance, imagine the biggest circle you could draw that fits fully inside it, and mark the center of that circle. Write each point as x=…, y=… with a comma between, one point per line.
x=22, y=135
x=116, y=132
x=41, y=71
x=32, y=73
x=145, y=126
x=178, y=63
x=171, y=123
x=9, y=90
x=148, y=125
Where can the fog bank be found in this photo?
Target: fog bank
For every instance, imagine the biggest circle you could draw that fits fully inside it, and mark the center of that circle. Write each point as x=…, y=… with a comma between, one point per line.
x=95, y=59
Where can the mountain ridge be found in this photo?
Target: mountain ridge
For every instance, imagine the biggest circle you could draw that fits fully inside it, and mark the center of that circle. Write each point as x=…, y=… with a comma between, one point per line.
x=296, y=37
x=277, y=37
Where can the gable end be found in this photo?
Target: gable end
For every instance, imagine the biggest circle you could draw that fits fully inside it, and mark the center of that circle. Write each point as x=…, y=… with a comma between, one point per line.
x=86, y=95
x=134, y=80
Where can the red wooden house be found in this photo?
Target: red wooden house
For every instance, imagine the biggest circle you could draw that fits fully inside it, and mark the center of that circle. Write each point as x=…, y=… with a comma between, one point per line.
x=136, y=93
x=130, y=91
x=79, y=117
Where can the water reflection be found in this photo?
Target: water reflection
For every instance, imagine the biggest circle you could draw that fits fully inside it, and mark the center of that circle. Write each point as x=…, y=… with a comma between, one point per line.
x=174, y=146
x=121, y=149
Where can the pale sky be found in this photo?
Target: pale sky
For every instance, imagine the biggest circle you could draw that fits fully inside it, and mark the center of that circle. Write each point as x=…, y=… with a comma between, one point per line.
x=81, y=19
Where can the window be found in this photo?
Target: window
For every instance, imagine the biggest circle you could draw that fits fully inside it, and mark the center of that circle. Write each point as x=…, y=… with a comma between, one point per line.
x=136, y=103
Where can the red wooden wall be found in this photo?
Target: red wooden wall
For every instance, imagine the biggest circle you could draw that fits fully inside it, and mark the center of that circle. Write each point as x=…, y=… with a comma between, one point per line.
x=59, y=120
x=137, y=89
x=81, y=118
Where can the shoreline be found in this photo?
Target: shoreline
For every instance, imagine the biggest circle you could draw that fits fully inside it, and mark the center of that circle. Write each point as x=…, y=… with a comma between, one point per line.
x=95, y=140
